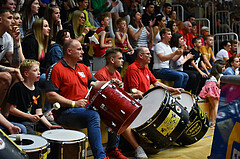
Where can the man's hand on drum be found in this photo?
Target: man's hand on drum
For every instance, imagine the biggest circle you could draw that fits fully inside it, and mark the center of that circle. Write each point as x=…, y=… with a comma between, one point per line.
x=81, y=103
x=118, y=82
x=14, y=129
x=34, y=118
x=54, y=127
x=177, y=90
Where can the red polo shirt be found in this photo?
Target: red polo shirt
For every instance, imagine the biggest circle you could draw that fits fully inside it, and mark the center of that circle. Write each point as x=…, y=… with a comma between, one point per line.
x=68, y=82
x=104, y=75
x=138, y=77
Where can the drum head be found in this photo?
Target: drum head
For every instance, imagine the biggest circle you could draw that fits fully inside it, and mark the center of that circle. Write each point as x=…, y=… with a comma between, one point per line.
x=63, y=135
x=30, y=142
x=186, y=100
x=151, y=103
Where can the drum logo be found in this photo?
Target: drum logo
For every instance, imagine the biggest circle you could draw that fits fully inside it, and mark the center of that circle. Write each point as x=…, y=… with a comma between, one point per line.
x=169, y=123
x=2, y=144
x=194, y=128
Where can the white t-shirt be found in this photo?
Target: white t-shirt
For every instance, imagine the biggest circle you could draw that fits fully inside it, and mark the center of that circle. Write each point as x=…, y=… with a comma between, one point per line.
x=161, y=48
x=6, y=44
x=221, y=54
x=176, y=65
x=118, y=8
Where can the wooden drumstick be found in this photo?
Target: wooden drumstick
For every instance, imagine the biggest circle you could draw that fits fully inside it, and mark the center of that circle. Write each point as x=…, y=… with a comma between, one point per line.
x=92, y=84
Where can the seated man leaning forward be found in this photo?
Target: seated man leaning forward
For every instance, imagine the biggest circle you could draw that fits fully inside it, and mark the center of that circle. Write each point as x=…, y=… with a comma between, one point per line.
x=138, y=77
x=67, y=83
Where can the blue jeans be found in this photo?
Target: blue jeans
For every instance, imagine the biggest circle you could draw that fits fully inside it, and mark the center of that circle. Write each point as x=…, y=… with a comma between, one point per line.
x=85, y=118
x=21, y=126
x=41, y=84
x=113, y=141
x=180, y=78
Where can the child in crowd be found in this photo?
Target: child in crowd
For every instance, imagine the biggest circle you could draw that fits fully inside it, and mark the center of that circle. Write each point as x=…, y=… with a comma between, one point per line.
x=26, y=102
x=211, y=90
x=121, y=39
x=104, y=42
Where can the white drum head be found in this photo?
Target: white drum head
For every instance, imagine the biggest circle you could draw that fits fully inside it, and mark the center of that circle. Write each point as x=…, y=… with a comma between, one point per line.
x=38, y=142
x=151, y=103
x=186, y=100
x=63, y=135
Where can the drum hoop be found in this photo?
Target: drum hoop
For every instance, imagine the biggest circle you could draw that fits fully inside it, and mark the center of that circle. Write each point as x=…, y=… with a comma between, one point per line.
x=99, y=91
x=158, y=112
x=37, y=149
x=3, y=133
x=194, y=101
x=68, y=142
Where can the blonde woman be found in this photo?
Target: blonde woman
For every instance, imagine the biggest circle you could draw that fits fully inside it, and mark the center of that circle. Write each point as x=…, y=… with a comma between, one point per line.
x=35, y=44
x=77, y=29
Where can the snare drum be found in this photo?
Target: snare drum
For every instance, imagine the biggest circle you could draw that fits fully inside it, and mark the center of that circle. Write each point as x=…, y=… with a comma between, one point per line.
x=66, y=144
x=35, y=146
x=161, y=121
x=198, y=120
x=116, y=108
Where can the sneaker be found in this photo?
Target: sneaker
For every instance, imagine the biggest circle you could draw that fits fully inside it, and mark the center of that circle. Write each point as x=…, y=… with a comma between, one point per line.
x=140, y=153
x=211, y=124
x=116, y=153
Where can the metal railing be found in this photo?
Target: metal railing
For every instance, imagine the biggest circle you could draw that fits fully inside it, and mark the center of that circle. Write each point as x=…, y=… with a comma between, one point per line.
x=209, y=13
x=236, y=27
x=222, y=22
x=178, y=8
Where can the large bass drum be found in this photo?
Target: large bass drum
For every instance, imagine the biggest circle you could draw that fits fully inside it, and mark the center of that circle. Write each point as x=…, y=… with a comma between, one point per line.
x=198, y=120
x=161, y=120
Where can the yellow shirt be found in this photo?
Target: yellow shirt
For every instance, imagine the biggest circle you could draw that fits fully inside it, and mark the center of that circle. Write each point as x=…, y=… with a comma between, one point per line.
x=208, y=52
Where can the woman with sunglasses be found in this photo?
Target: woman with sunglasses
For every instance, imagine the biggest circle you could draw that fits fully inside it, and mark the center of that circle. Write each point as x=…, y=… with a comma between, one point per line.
x=77, y=30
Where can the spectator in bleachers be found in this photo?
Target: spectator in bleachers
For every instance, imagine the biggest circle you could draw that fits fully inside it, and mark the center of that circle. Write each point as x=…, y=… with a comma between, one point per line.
x=173, y=15
x=25, y=99
x=193, y=33
x=197, y=77
x=78, y=30
x=177, y=62
x=55, y=52
x=11, y=50
x=104, y=42
x=103, y=6
x=122, y=41
x=8, y=4
x=139, y=36
x=223, y=53
x=207, y=53
x=83, y=6
x=52, y=15
x=191, y=19
x=173, y=26
x=148, y=15
x=234, y=47
x=211, y=90
x=162, y=54
x=160, y=23
x=204, y=31
x=134, y=7
x=166, y=10
x=31, y=8
x=186, y=32
x=232, y=65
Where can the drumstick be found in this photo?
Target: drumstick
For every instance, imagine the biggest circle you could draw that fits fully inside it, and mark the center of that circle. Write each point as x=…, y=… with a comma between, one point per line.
x=56, y=106
x=88, y=92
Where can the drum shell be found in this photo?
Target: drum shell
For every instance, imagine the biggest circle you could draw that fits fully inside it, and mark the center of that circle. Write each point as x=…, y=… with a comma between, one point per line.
x=150, y=131
x=197, y=127
x=62, y=147
x=11, y=150
x=116, y=108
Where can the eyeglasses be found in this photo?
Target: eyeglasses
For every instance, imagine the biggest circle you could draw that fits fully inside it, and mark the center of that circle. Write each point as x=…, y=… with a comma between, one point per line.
x=148, y=54
x=84, y=18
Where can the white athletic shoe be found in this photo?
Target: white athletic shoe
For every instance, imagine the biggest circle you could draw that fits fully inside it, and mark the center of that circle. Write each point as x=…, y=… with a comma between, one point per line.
x=140, y=154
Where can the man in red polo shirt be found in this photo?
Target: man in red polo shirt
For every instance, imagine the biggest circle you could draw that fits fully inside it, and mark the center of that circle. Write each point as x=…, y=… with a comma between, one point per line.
x=114, y=61
x=186, y=32
x=67, y=83
x=138, y=77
